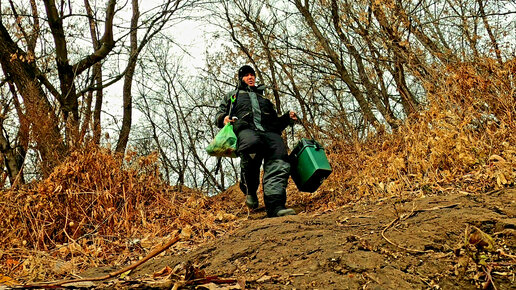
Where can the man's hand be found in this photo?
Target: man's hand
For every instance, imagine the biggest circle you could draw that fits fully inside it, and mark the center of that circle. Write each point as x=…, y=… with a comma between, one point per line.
x=293, y=115
x=227, y=120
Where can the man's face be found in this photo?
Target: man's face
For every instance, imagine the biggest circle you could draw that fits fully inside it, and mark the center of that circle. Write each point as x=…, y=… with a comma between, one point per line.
x=249, y=79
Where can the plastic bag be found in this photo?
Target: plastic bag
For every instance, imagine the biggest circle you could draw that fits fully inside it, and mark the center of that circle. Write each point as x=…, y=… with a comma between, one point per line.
x=224, y=144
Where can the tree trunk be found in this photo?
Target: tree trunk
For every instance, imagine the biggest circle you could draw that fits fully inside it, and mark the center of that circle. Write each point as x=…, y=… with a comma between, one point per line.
x=496, y=47
x=341, y=70
x=92, y=119
x=372, y=91
x=68, y=96
x=39, y=112
x=123, y=139
x=10, y=157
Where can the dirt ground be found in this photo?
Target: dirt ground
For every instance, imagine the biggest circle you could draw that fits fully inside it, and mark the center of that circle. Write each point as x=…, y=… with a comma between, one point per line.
x=460, y=241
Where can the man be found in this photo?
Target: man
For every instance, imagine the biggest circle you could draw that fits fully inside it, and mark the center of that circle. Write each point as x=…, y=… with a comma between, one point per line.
x=258, y=128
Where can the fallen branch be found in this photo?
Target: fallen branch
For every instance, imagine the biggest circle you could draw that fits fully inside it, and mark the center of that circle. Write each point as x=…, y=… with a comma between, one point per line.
x=211, y=279
x=59, y=284
x=204, y=280
x=396, y=245
x=413, y=212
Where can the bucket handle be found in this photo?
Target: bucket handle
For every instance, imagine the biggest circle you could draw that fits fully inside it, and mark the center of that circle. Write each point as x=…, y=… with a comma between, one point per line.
x=317, y=145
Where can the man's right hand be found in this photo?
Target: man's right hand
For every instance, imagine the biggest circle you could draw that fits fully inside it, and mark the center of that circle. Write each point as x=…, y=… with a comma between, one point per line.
x=227, y=120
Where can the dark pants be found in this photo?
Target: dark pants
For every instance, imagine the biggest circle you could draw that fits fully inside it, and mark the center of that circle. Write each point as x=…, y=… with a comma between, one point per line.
x=255, y=147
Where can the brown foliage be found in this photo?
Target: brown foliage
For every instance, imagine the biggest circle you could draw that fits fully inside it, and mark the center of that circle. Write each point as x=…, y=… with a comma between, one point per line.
x=97, y=208
x=463, y=141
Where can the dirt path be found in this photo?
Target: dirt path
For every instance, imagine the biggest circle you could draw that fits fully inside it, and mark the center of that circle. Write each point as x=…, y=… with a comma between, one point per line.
x=391, y=244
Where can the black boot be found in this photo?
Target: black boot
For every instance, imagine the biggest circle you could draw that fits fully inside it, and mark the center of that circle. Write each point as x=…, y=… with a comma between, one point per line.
x=251, y=201
x=285, y=212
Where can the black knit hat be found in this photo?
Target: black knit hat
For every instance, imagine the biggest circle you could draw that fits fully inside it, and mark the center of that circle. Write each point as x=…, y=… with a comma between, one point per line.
x=244, y=70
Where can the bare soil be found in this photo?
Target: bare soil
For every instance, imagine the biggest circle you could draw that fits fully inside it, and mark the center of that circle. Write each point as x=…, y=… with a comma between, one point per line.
x=431, y=242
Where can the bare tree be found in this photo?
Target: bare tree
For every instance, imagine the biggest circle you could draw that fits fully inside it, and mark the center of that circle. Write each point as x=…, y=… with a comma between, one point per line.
x=156, y=25
x=177, y=119
x=383, y=52
x=53, y=78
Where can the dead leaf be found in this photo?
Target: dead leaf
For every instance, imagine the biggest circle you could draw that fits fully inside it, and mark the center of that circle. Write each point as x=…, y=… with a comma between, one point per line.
x=481, y=240
x=500, y=179
x=496, y=158
x=125, y=274
x=186, y=232
x=264, y=278
x=223, y=216
x=163, y=272
x=8, y=281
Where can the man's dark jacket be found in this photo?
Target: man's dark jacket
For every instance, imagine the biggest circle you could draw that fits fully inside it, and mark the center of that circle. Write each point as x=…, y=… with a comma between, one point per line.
x=242, y=109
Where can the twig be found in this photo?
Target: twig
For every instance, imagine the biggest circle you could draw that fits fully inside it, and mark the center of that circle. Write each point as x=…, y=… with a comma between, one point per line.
x=493, y=191
x=423, y=278
x=152, y=254
x=210, y=279
x=404, y=217
x=17, y=178
x=90, y=233
x=17, y=265
x=392, y=243
x=177, y=285
x=64, y=229
x=365, y=275
x=502, y=253
x=438, y=207
x=489, y=278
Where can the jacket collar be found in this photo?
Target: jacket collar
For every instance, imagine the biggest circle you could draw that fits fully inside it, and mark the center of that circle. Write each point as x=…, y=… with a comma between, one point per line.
x=257, y=89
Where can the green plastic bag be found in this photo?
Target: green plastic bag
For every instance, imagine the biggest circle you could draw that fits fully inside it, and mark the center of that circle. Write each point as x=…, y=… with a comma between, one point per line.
x=224, y=144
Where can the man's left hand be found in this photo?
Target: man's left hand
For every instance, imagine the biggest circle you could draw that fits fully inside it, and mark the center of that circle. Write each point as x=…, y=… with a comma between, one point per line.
x=293, y=115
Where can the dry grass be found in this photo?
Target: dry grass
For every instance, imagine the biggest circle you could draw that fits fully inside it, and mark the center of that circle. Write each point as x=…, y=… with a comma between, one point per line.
x=463, y=141
x=96, y=209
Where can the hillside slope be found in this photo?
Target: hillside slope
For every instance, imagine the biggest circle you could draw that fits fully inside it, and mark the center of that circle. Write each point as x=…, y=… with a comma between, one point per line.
x=405, y=244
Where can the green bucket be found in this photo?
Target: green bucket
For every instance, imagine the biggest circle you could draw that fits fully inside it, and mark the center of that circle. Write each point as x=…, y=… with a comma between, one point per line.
x=309, y=165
